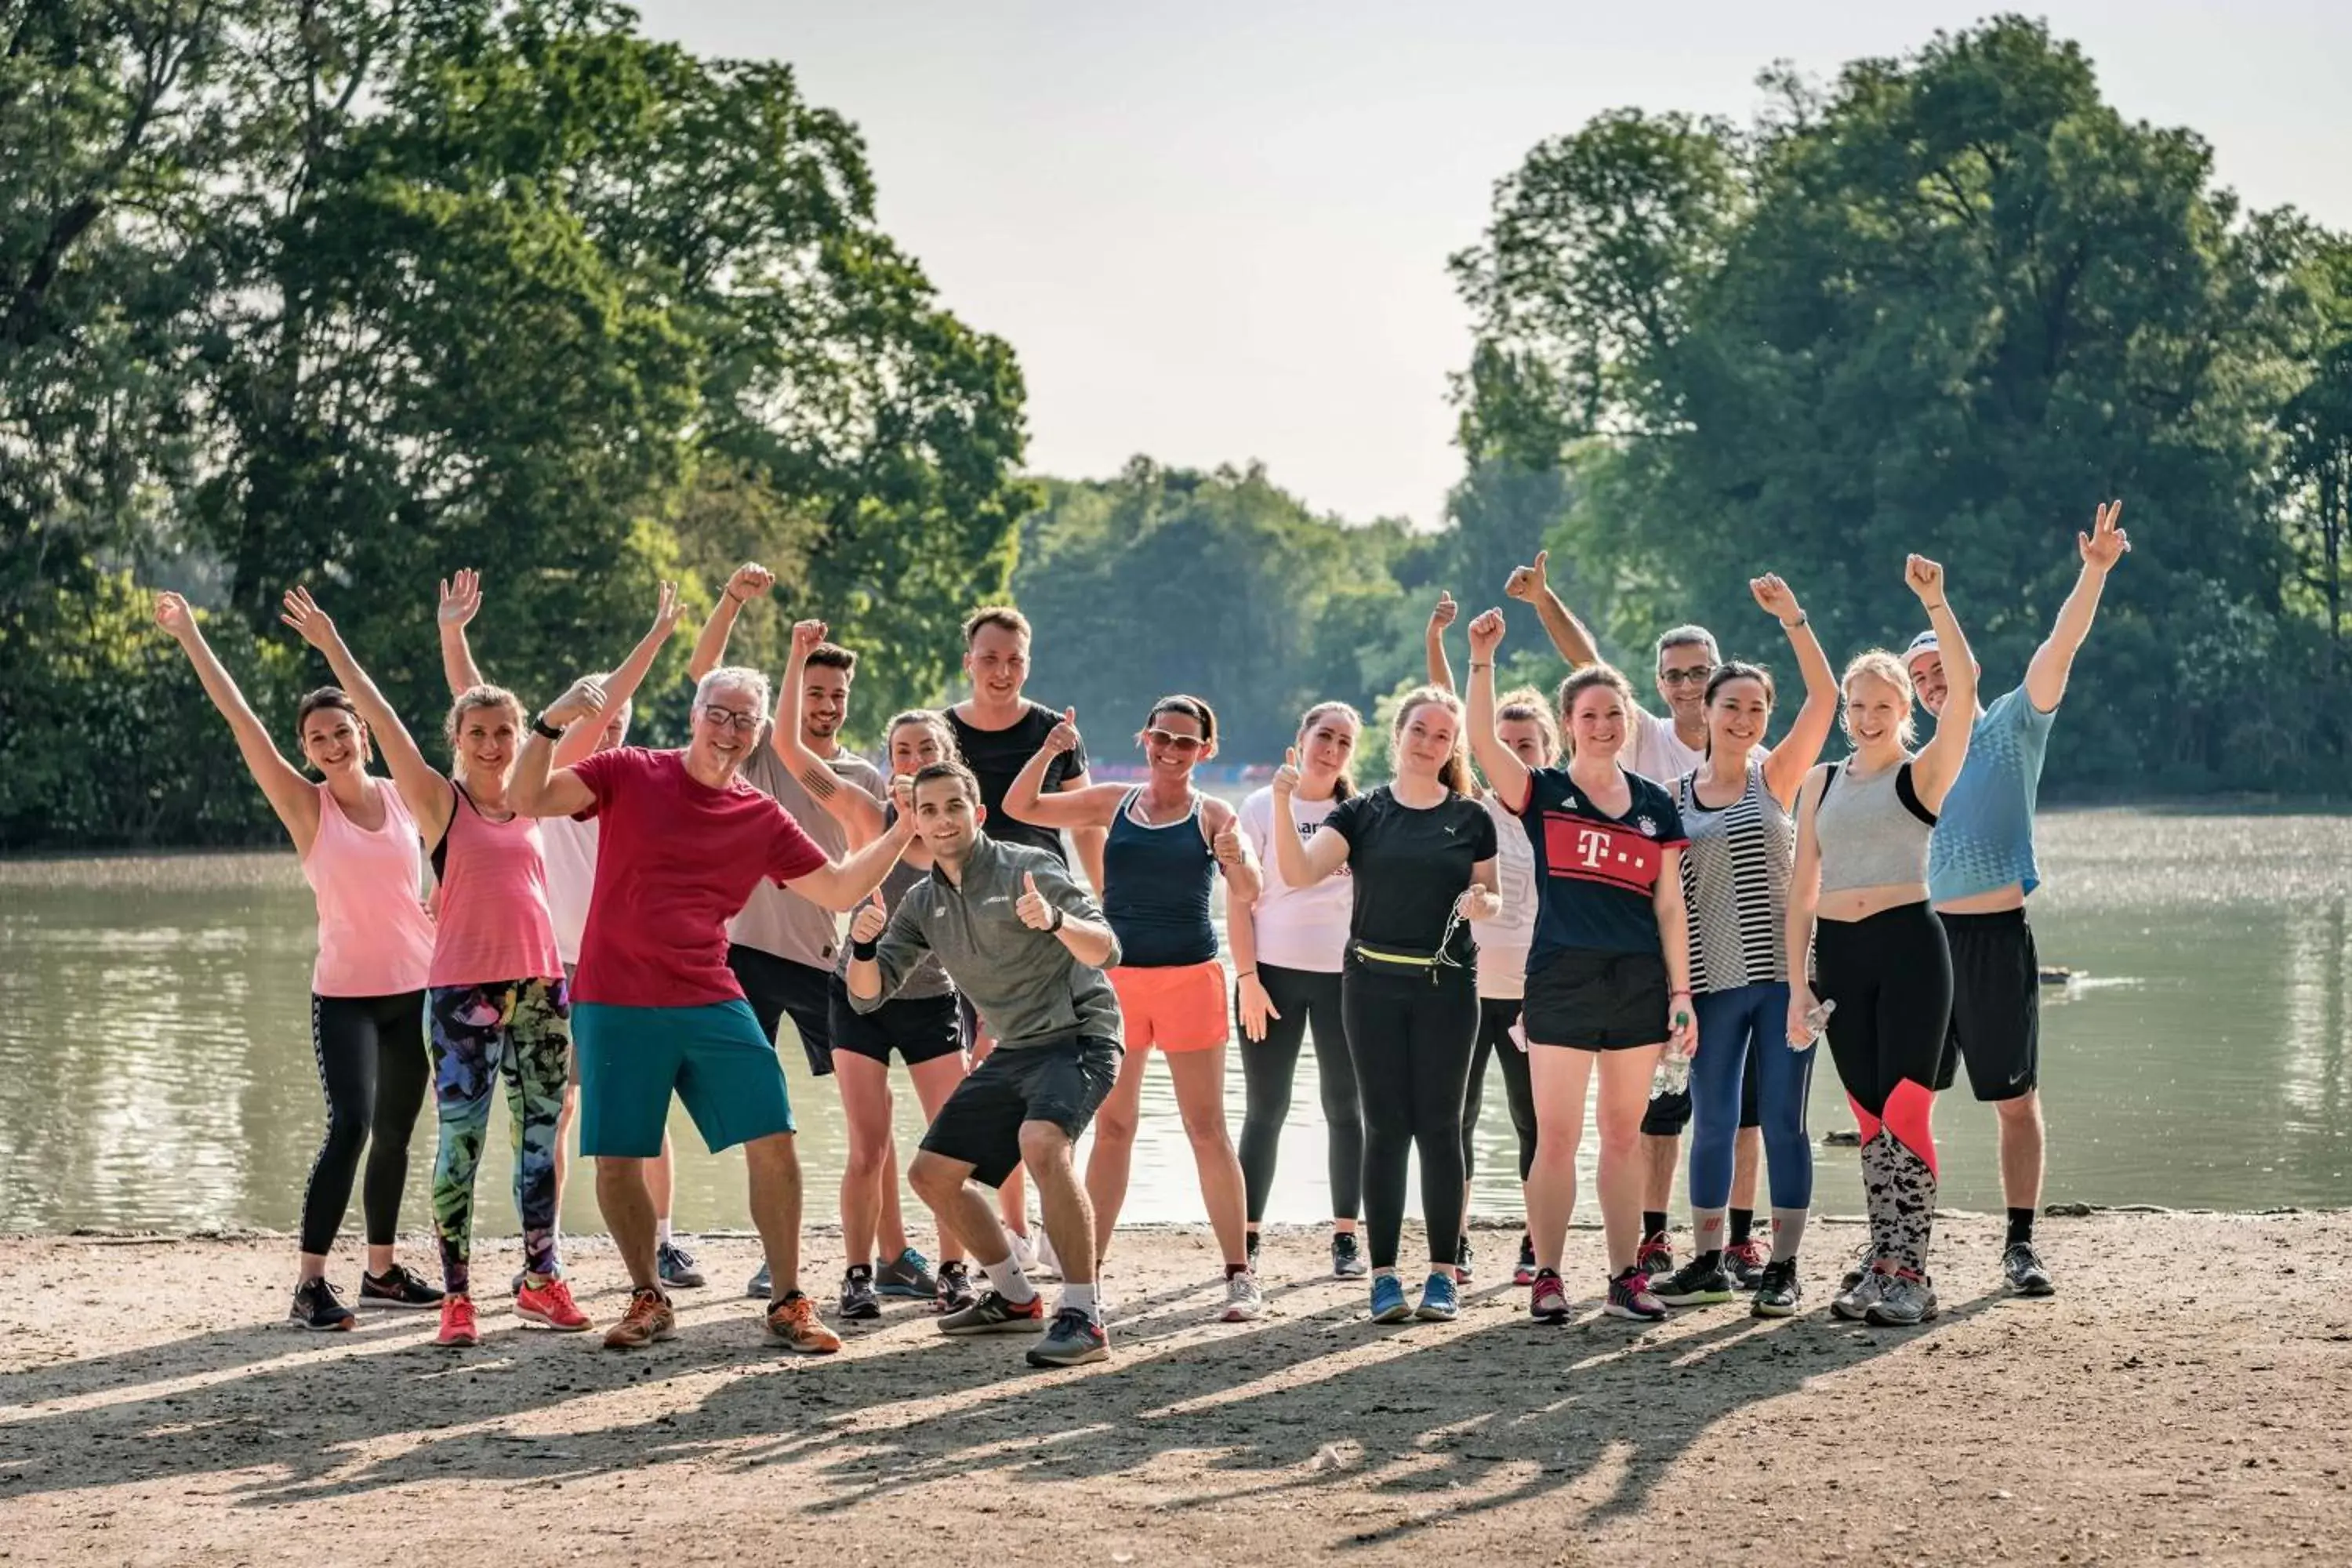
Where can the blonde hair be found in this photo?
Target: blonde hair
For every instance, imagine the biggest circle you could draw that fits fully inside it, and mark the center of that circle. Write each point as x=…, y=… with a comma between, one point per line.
x=1879, y=662
x=1454, y=772
x=469, y=699
x=1578, y=684
x=1526, y=705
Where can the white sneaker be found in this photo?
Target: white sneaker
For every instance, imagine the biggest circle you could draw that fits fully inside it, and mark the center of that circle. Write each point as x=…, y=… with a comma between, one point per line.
x=1049, y=1266
x=1024, y=1254
x=1245, y=1302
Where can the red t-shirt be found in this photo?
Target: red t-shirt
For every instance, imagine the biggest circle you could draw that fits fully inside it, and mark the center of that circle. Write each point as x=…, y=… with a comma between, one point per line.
x=675, y=861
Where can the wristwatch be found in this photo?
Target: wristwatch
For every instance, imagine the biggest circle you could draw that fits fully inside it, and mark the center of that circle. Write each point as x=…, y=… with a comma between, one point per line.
x=539, y=726
x=1059, y=916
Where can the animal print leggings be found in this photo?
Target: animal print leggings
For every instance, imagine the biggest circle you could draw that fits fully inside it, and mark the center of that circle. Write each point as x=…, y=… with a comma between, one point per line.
x=520, y=1029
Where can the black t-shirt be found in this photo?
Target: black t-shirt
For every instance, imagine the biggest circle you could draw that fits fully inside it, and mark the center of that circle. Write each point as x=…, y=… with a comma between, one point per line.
x=1411, y=867
x=996, y=758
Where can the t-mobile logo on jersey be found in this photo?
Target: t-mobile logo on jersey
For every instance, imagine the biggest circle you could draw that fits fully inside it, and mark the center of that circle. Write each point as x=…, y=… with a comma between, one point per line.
x=1592, y=845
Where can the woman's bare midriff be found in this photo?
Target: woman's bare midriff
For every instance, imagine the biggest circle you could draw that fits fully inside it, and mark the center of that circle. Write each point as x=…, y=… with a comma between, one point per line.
x=1850, y=904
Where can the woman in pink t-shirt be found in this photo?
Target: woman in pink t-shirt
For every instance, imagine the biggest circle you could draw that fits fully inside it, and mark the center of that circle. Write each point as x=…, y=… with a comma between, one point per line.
x=357, y=848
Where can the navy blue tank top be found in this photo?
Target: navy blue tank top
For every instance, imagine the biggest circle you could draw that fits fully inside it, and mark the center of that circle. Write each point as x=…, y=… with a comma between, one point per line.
x=1156, y=891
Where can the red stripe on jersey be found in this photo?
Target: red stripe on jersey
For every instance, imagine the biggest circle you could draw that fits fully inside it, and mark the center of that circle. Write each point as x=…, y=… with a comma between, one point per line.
x=1590, y=851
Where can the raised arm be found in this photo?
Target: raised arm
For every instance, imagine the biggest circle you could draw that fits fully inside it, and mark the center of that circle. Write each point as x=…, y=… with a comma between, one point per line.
x=1093, y=806
x=1062, y=908
x=1235, y=862
x=750, y=581
x=1506, y=775
x=1939, y=762
x=859, y=814
x=1308, y=863
x=429, y=796
x=1567, y=633
x=578, y=742
x=1804, y=894
x=1433, y=641
x=535, y=791
x=290, y=793
x=2045, y=677
x=1800, y=748
x=461, y=596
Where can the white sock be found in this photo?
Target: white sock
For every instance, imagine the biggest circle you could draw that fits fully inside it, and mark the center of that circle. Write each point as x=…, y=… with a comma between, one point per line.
x=661, y=1231
x=1082, y=1298
x=1010, y=1282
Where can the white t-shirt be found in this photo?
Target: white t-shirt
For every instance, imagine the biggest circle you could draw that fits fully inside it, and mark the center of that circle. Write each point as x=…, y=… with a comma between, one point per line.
x=1657, y=752
x=1295, y=930
x=1504, y=941
x=569, y=848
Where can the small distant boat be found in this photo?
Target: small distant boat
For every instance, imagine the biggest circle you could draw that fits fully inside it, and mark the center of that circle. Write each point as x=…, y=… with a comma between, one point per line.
x=2056, y=974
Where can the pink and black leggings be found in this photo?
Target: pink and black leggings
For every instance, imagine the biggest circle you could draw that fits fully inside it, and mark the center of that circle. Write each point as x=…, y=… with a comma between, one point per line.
x=1891, y=977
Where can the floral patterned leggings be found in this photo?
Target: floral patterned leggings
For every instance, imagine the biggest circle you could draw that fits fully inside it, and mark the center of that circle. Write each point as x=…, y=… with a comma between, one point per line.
x=520, y=1029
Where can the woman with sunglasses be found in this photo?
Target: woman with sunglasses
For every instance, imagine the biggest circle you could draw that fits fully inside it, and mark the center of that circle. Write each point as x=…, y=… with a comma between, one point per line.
x=1167, y=844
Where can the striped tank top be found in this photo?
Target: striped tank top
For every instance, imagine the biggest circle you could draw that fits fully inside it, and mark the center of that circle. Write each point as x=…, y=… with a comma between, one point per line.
x=1736, y=884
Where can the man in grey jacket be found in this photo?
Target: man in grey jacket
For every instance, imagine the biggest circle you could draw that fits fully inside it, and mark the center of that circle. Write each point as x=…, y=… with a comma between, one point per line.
x=1027, y=946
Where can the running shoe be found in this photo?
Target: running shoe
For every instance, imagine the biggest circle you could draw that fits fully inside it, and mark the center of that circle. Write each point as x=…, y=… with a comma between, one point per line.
x=762, y=1287
x=457, y=1329
x=1865, y=1254
x=1073, y=1340
x=1778, y=1293
x=1463, y=1265
x=1024, y=1252
x=1389, y=1305
x=1249, y=1241
x=1856, y=1299
x=1348, y=1257
x=909, y=1275
x=1549, y=1303
x=1905, y=1300
x=316, y=1305
x=1698, y=1283
x=1245, y=1302
x=396, y=1286
x=1745, y=1263
x=674, y=1266
x=1049, y=1263
x=1439, y=1304
x=1657, y=1255
x=1524, y=1272
x=794, y=1322
x=550, y=1304
x=992, y=1314
x=2020, y=1263
x=859, y=1301
x=955, y=1285
x=1629, y=1297
x=648, y=1319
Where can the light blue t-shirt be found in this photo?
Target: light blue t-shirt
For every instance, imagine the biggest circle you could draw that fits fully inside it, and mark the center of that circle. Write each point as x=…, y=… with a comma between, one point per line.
x=1984, y=835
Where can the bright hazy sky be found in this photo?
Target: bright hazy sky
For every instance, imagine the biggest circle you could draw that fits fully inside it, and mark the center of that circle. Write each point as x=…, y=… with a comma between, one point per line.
x=1218, y=231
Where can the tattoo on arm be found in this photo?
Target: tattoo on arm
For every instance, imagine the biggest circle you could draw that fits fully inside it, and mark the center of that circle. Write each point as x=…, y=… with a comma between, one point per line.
x=821, y=783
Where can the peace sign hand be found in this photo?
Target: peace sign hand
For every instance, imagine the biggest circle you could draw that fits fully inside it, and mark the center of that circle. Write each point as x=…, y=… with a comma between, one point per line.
x=2106, y=543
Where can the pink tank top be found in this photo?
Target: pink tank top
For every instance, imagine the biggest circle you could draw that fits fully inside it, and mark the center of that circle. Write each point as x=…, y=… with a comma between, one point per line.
x=374, y=937
x=494, y=921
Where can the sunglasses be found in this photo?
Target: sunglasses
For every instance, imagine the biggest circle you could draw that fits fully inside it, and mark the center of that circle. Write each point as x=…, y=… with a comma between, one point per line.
x=728, y=718
x=1172, y=741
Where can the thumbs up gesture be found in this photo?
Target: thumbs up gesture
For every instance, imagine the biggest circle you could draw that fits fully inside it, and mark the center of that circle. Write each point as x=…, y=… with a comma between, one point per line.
x=1286, y=777
x=1031, y=906
x=873, y=917
x=1528, y=582
x=1065, y=736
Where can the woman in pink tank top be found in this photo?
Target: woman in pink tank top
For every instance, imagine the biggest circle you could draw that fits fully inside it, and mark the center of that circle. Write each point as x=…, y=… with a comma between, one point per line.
x=359, y=849
x=495, y=988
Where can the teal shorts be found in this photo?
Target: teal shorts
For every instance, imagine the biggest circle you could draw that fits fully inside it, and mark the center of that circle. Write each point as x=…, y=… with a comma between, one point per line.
x=714, y=1057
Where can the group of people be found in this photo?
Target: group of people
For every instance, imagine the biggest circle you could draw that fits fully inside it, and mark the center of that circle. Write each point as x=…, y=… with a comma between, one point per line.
x=1576, y=891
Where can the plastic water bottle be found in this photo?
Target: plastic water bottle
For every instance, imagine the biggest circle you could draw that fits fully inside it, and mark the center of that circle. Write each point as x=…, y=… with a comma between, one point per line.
x=1815, y=1021
x=1672, y=1075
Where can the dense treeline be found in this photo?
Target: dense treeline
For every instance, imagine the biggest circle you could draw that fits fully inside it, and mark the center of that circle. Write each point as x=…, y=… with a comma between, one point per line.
x=353, y=294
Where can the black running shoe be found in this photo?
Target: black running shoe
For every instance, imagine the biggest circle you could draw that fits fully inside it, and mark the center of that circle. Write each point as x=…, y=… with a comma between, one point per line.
x=396, y=1286
x=1700, y=1282
x=1745, y=1263
x=1348, y=1257
x=1656, y=1257
x=1779, y=1295
x=2027, y=1277
x=858, y=1300
x=316, y=1305
x=956, y=1291
x=1463, y=1265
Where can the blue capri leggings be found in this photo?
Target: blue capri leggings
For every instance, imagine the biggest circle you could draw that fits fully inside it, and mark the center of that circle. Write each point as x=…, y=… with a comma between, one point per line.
x=1727, y=1020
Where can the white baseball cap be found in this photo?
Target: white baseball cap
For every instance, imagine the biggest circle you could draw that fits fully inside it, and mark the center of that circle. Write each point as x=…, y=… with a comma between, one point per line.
x=1921, y=645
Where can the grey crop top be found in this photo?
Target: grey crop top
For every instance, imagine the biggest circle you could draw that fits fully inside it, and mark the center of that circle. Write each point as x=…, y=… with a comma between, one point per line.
x=1872, y=832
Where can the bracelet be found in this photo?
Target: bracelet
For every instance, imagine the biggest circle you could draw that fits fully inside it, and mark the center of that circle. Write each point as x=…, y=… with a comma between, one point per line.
x=539, y=726
x=1476, y=664
x=1672, y=994
x=1244, y=973
x=1934, y=607
x=1059, y=917
x=1792, y=626
x=863, y=952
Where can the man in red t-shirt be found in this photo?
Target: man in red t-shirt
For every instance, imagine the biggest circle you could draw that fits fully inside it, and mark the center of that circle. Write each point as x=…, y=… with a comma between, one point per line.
x=655, y=1009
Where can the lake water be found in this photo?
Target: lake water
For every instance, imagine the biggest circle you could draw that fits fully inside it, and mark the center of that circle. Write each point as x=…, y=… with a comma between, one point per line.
x=155, y=1066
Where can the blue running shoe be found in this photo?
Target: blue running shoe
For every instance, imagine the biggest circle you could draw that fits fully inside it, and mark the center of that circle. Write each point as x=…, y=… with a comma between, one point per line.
x=1438, y=1302
x=909, y=1275
x=1389, y=1305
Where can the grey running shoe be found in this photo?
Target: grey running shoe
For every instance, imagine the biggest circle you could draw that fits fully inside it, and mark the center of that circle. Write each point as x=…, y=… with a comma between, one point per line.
x=857, y=1297
x=1856, y=1300
x=955, y=1286
x=1348, y=1257
x=1865, y=1255
x=2027, y=1277
x=762, y=1287
x=1779, y=1294
x=1245, y=1302
x=1630, y=1296
x=992, y=1314
x=1698, y=1283
x=1905, y=1299
x=316, y=1306
x=907, y=1275
x=1745, y=1263
x=1073, y=1340
x=676, y=1266
x=1656, y=1257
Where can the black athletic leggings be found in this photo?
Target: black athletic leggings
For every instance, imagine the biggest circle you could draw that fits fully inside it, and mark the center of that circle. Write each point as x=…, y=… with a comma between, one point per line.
x=1495, y=1017
x=1891, y=977
x=1269, y=1067
x=374, y=1068
x=1411, y=1041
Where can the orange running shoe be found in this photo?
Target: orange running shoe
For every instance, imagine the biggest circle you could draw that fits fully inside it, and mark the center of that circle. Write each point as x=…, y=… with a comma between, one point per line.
x=648, y=1319
x=550, y=1304
x=794, y=1321
x=457, y=1329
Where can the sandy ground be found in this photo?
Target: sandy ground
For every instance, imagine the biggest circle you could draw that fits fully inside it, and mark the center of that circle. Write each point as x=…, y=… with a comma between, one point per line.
x=2188, y=1395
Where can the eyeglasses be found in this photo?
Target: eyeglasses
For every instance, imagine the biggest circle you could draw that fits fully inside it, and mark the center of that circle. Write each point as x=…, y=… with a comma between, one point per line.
x=1696, y=676
x=728, y=718
x=1173, y=741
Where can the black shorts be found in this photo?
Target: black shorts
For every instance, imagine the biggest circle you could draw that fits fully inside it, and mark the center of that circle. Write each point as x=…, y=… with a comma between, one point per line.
x=776, y=986
x=1669, y=1114
x=1996, y=1005
x=1062, y=1083
x=920, y=1028
x=1597, y=1001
